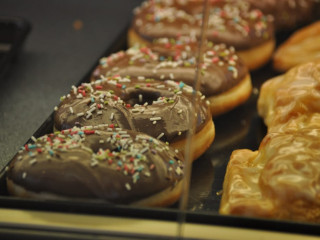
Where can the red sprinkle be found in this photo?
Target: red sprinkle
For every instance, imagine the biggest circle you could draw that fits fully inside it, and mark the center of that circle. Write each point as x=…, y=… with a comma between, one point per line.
x=115, y=98
x=152, y=166
x=39, y=150
x=128, y=106
x=88, y=132
x=215, y=59
x=98, y=87
x=99, y=106
x=119, y=85
x=111, y=125
x=26, y=147
x=110, y=161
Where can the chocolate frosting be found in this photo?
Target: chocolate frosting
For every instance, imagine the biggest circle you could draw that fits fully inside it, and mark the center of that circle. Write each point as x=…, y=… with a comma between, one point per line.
x=116, y=166
x=159, y=109
x=166, y=58
x=232, y=22
x=287, y=13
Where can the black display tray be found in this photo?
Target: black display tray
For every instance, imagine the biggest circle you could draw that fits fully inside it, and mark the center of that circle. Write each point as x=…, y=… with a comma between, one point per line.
x=240, y=128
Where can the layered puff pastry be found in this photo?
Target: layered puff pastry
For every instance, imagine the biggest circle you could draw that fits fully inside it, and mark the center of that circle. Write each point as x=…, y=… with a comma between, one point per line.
x=301, y=47
x=282, y=178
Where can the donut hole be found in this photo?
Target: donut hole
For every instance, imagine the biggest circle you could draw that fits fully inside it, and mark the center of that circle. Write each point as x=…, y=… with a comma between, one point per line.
x=141, y=96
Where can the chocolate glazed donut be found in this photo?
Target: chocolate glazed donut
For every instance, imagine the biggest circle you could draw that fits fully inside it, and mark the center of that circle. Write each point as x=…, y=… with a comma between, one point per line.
x=112, y=165
x=231, y=22
x=224, y=79
x=160, y=109
x=288, y=14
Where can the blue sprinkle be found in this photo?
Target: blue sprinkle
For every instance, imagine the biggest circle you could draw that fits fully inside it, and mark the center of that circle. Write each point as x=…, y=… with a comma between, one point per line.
x=181, y=84
x=162, y=58
x=230, y=68
x=119, y=163
x=32, y=146
x=140, y=168
x=80, y=133
x=138, y=156
x=51, y=152
x=171, y=161
x=92, y=99
x=123, y=86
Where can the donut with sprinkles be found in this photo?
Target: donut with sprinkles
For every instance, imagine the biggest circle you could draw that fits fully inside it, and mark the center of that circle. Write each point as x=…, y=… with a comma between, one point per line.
x=224, y=79
x=98, y=163
x=232, y=22
x=165, y=110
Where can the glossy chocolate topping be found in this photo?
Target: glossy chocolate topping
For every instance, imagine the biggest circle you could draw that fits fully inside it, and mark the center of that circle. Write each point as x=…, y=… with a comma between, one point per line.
x=287, y=13
x=171, y=59
x=231, y=22
x=117, y=166
x=161, y=109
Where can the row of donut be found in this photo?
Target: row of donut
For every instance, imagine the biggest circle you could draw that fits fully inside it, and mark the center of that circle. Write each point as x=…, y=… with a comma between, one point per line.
x=249, y=26
x=131, y=121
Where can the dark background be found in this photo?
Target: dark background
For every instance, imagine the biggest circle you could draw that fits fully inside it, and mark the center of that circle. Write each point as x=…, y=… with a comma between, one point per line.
x=55, y=56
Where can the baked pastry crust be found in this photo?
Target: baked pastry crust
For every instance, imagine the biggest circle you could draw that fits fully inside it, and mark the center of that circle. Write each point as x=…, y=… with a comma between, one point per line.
x=302, y=46
x=281, y=179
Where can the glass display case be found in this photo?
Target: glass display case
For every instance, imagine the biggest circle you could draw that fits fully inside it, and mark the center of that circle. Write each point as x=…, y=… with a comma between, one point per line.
x=63, y=48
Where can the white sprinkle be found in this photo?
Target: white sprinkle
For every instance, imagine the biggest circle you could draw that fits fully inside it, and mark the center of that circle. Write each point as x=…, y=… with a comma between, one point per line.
x=162, y=76
x=153, y=113
x=145, y=104
x=135, y=110
x=155, y=118
x=180, y=111
x=112, y=116
x=179, y=133
x=33, y=161
x=161, y=86
x=171, y=75
x=128, y=187
x=91, y=110
x=140, y=98
x=71, y=110
x=160, y=135
x=24, y=175
x=79, y=95
x=99, y=112
x=74, y=89
x=141, y=78
x=20, y=158
x=89, y=115
x=147, y=174
x=125, y=136
x=144, y=150
x=101, y=141
x=80, y=114
x=154, y=122
x=179, y=171
x=94, y=163
x=55, y=108
x=33, y=139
